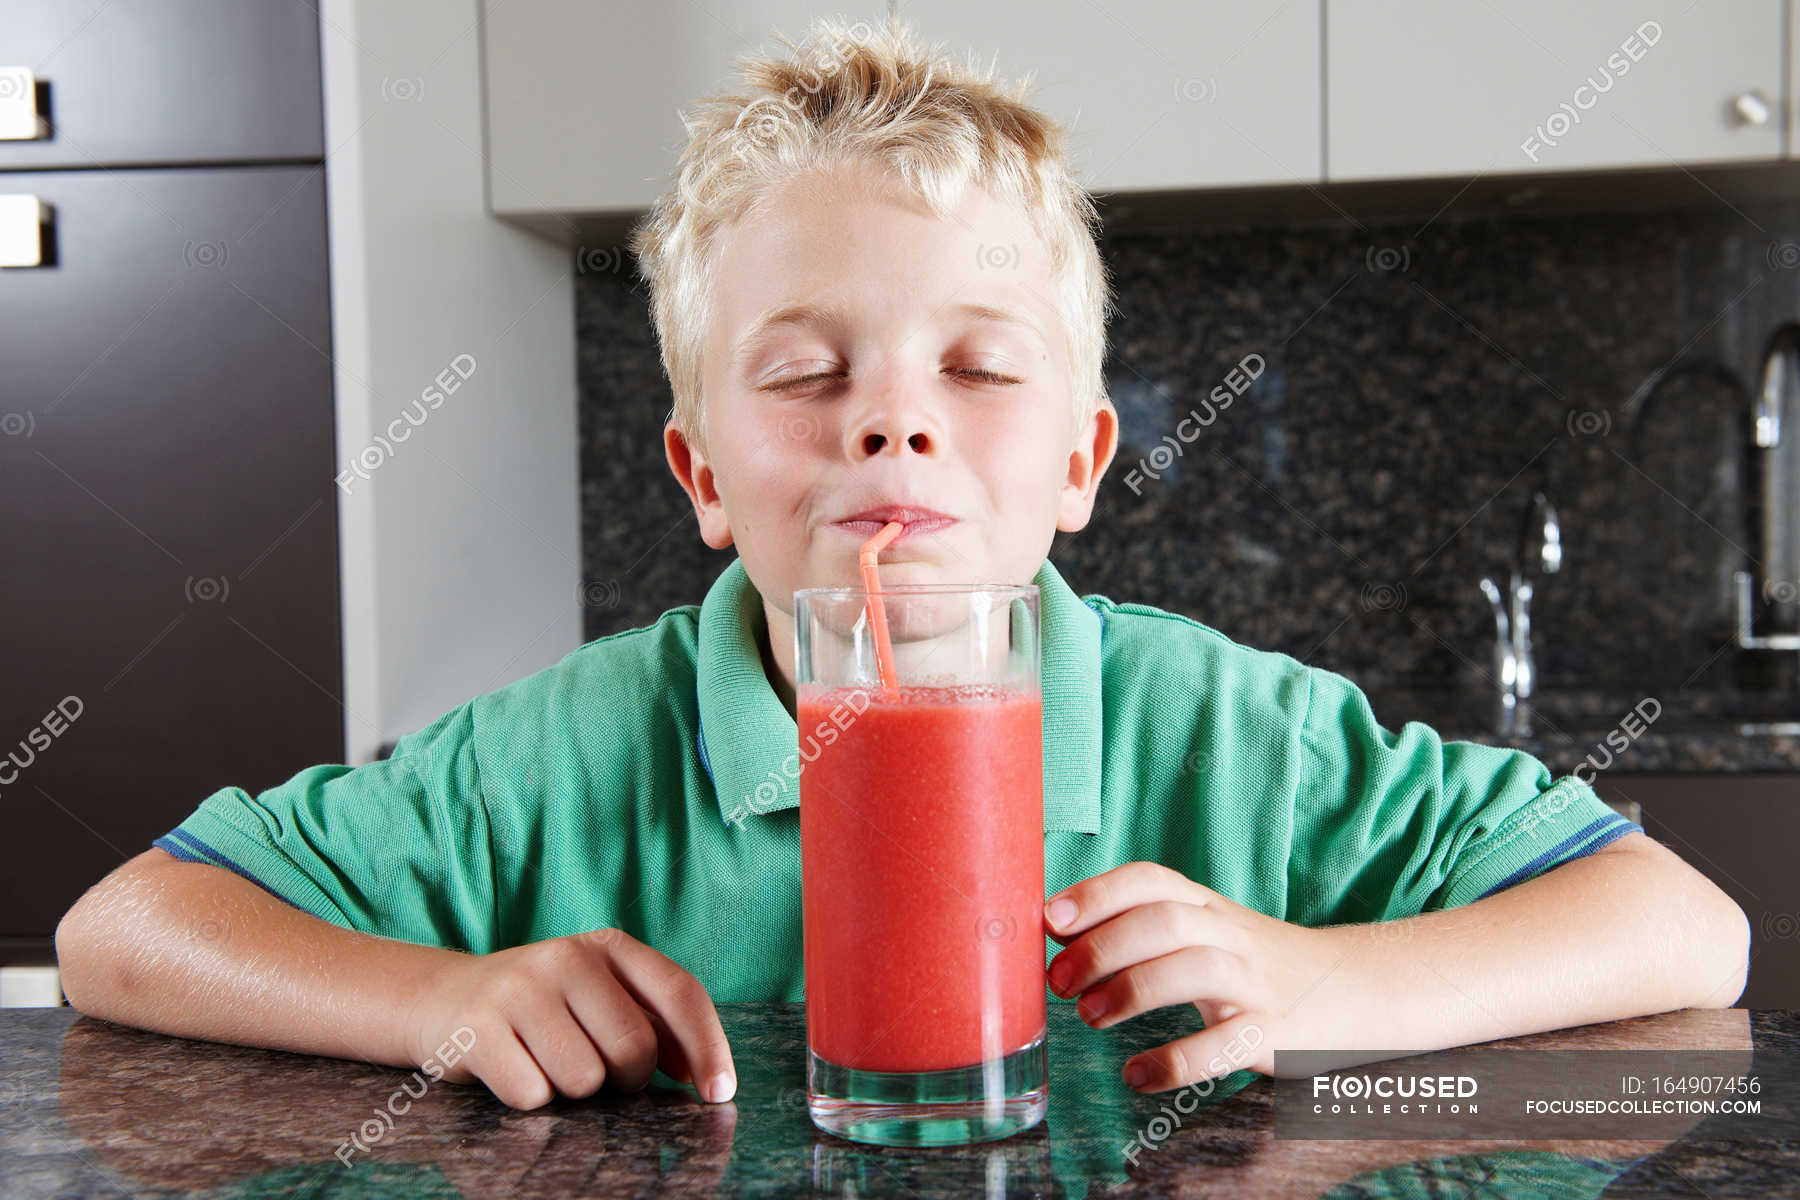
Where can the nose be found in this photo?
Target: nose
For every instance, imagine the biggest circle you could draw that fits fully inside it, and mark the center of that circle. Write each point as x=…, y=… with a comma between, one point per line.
x=893, y=421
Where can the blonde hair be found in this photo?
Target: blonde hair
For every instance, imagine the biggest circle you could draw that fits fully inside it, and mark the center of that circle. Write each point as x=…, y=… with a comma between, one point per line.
x=851, y=92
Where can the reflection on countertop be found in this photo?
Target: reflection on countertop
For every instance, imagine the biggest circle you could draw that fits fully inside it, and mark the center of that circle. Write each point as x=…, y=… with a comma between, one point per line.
x=95, y=1108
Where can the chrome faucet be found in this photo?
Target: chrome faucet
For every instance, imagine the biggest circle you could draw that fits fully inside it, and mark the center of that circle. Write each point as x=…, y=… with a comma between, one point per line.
x=1539, y=553
x=1774, y=415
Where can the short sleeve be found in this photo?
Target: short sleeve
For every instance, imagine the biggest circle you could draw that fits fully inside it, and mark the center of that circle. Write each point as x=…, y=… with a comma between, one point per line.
x=399, y=847
x=1388, y=825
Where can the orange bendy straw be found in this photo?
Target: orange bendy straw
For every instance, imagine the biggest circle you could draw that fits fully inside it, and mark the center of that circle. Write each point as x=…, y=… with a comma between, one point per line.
x=884, y=650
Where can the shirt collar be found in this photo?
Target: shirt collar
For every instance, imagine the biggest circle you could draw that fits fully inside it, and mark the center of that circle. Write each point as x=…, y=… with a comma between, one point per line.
x=749, y=744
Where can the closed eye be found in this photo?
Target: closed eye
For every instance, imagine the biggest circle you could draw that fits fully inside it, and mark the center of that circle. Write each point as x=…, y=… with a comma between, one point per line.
x=982, y=373
x=794, y=381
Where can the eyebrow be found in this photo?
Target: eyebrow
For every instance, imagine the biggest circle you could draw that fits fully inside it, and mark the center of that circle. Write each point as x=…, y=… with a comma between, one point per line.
x=827, y=315
x=787, y=314
x=1005, y=316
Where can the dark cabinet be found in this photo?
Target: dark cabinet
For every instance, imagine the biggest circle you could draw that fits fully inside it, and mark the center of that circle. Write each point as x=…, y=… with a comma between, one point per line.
x=165, y=82
x=1740, y=831
x=169, y=600
x=171, y=525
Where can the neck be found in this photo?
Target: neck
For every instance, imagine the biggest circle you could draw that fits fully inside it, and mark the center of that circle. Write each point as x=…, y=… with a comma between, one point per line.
x=776, y=641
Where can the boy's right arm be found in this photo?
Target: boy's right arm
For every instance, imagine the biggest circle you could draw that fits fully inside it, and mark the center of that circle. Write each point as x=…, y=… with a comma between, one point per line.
x=197, y=951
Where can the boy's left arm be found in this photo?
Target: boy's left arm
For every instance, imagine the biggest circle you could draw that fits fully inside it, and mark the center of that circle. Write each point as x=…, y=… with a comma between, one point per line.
x=1627, y=930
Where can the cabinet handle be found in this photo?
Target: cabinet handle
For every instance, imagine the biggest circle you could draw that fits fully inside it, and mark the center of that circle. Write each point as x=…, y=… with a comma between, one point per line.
x=1751, y=107
x=24, y=230
x=19, y=116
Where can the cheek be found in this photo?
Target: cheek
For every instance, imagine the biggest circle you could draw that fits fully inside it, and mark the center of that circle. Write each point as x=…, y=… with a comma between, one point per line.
x=769, y=482
x=757, y=457
x=1022, y=465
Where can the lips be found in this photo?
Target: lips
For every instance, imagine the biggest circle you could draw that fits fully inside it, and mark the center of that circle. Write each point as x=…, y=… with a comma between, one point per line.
x=868, y=522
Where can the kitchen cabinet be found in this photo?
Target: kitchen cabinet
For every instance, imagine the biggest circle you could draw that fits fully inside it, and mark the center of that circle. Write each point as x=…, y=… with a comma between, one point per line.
x=1164, y=97
x=166, y=463
x=1791, y=102
x=583, y=99
x=1416, y=88
x=170, y=588
x=1160, y=96
x=1739, y=831
x=161, y=82
x=1194, y=95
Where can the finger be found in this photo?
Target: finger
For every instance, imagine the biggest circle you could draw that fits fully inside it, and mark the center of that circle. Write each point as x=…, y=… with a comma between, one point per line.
x=663, y=987
x=560, y=1046
x=1105, y=896
x=668, y=1051
x=595, y=1006
x=1214, y=1052
x=617, y=1026
x=510, y=1071
x=1191, y=975
x=1136, y=935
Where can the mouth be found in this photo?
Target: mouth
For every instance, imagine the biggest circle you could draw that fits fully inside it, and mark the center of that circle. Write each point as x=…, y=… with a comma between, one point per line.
x=917, y=521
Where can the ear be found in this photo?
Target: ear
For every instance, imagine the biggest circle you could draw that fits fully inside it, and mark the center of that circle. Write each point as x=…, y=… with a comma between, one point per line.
x=695, y=476
x=1093, y=453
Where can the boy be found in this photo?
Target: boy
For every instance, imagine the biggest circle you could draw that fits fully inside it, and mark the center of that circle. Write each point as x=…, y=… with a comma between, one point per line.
x=878, y=297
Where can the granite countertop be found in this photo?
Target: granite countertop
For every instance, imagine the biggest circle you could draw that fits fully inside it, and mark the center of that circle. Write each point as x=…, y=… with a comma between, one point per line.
x=1693, y=731
x=91, y=1108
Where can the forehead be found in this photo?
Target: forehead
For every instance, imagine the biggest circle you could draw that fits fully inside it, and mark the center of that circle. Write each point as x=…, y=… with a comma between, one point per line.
x=849, y=244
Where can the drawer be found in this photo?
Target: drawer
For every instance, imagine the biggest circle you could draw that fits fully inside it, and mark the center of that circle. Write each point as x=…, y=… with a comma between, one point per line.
x=163, y=82
x=168, y=557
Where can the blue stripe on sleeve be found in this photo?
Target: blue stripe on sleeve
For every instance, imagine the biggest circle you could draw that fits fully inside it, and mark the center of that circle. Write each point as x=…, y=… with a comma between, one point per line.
x=1611, y=834
x=168, y=843
x=1602, y=831
x=196, y=850
x=188, y=848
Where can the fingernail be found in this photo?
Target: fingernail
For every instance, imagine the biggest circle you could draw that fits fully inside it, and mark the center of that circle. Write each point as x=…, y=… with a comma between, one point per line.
x=1136, y=1074
x=720, y=1087
x=1059, y=977
x=1061, y=912
x=1094, y=1006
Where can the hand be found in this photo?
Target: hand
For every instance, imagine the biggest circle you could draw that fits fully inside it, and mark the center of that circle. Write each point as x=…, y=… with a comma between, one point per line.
x=566, y=1016
x=1143, y=937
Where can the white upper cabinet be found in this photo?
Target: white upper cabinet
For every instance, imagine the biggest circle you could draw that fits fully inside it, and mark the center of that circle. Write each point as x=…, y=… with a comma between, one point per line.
x=1159, y=95
x=583, y=99
x=1421, y=87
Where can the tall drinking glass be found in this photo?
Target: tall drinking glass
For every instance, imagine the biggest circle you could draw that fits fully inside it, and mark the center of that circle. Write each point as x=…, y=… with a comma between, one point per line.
x=922, y=863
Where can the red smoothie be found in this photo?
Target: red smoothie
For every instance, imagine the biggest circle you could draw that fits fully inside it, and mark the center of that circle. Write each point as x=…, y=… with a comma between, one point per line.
x=922, y=867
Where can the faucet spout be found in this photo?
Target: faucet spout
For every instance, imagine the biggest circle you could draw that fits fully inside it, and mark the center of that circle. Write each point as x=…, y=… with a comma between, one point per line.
x=1539, y=553
x=1540, y=540
x=1775, y=406
x=1780, y=380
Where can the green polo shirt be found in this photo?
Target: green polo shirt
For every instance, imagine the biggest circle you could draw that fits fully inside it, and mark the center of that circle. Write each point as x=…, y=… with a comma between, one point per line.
x=648, y=782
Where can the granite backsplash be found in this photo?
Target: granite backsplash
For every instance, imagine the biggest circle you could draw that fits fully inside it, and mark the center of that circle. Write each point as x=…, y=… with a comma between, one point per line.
x=1420, y=379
